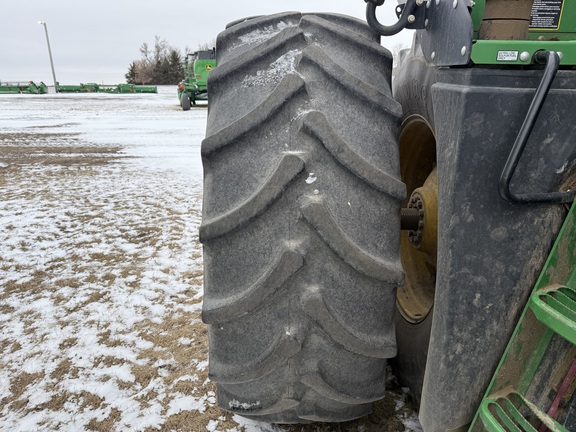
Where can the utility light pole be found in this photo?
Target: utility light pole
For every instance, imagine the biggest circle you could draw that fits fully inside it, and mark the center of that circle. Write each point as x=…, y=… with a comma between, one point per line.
x=50, y=55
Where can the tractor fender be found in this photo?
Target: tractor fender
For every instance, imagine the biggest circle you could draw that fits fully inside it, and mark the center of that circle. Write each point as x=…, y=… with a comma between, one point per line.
x=490, y=251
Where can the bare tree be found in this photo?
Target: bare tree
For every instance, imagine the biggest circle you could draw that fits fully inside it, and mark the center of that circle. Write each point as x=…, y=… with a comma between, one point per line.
x=207, y=45
x=161, y=64
x=160, y=49
x=145, y=51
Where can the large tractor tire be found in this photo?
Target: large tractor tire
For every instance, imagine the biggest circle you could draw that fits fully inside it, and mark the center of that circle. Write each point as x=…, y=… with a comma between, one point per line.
x=301, y=218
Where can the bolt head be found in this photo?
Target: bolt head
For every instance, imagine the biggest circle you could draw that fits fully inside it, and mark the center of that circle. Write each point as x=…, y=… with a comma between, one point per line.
x=463, y=51
x=411, y=18
x=525, y=56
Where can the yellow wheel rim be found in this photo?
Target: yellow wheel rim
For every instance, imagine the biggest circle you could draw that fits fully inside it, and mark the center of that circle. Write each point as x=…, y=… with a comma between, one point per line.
x=418, y=170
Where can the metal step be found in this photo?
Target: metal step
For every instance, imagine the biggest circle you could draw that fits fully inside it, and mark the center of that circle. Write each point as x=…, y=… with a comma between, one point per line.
x=555, y=307
x=514, y=413
x=538, y=361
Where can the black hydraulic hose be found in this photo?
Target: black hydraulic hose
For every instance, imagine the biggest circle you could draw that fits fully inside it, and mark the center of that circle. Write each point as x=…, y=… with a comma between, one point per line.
x=383, y=30
x=552, y=61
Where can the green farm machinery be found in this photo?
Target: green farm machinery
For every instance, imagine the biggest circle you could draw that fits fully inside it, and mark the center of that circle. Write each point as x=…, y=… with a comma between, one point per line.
x=194, y=87
x=351, y=220
x=131, y=88
x=101, y=88
x=23, y=88
x=81, y=88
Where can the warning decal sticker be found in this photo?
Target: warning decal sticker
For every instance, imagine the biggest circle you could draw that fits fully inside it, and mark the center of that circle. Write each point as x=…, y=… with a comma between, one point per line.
x=507, y=56
x=546, y=14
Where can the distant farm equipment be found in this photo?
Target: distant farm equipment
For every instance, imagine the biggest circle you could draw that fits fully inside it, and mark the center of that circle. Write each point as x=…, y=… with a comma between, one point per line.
x=102, y=88
x=194, y=87
x=33, y=88
x=23, y=88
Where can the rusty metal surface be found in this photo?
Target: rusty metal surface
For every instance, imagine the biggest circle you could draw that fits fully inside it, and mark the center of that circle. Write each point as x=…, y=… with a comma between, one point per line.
x=506, y=20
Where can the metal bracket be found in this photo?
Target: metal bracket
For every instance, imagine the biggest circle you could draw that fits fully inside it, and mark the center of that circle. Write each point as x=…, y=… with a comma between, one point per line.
x=552, y=61
x=444, y=28
x=418, y=18
x=446, y=39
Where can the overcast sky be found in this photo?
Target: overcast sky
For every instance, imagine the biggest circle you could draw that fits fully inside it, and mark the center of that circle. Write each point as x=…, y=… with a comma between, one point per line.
x=96, y=41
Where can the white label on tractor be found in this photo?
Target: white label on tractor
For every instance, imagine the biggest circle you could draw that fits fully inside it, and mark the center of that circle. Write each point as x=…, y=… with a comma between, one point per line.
x=507, y=56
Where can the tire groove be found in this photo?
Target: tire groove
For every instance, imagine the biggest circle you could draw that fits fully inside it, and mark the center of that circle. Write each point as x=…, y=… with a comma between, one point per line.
x=289, y=167
x=319, y=385
x=316, y=124
x=310, y=23
x=314, y=306
x=311, y=410
x=278, y=353
x=266, y=50
x=290, y=87
x=227, y=41
x=316, y=57
x=220, y=310
x=319, y=217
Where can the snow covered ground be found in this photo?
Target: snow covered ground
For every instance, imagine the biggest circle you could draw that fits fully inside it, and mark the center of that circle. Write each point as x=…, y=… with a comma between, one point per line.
x=101, y=270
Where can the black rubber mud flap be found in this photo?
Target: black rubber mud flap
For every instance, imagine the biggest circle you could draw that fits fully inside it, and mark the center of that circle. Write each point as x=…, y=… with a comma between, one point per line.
x=301, y=218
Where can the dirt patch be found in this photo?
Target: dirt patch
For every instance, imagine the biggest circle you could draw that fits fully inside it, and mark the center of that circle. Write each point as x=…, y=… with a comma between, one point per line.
x=14, y=156
x=107, y=424
x=24, y=138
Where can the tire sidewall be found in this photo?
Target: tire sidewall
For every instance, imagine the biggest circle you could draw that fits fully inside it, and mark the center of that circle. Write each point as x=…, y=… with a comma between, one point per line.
x=412, y=88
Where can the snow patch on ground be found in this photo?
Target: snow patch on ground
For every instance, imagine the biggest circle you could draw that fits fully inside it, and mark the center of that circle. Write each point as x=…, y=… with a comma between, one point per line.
x=97, y=259
x=255, y=426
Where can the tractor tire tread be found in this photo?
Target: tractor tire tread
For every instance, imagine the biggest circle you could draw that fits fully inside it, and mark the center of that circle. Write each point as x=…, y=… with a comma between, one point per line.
x=284, y=346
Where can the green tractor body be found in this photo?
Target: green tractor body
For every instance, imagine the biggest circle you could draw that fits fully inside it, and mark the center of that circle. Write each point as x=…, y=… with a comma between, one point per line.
x=425, y=221
x=551, y=27
x=194, y=87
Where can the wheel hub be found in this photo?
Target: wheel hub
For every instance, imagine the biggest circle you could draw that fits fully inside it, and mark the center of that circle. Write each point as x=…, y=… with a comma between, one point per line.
x=415, y=235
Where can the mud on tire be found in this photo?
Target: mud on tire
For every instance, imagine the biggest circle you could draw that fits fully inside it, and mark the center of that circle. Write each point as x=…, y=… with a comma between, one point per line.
x=301, y=218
